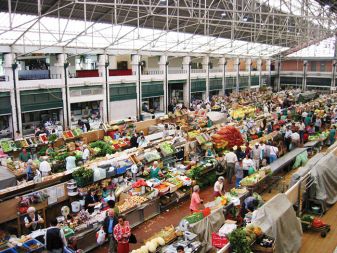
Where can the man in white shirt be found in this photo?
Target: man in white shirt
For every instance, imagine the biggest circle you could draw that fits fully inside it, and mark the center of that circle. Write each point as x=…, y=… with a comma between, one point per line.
x=273, y=151
x=246, y=164
x=287, y=138
x=256, y=154
x=231, y=159
x=86, y=153
x=45, y=168
x=295, y=139
x=301, y=129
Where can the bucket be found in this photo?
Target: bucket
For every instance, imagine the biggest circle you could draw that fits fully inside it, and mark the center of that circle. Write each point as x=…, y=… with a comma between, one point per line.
x=75, y=206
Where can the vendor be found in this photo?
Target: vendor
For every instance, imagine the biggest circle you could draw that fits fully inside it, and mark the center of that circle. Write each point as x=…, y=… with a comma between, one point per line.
x=250, y=205
x=209, y=122
x=209, y=153
x=86, y=153
x=45, y=168
x=155, y=171
x=142, y=142
x=49, y=150
x=91, y=200
x=24, y=156
x=219, y=187
x=33, y=221
x=70, y=162
x=166, y=131
x=29, y=170
x=195, y=199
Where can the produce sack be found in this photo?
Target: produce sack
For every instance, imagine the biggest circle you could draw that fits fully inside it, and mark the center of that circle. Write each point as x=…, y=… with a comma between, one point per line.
x=301, y=160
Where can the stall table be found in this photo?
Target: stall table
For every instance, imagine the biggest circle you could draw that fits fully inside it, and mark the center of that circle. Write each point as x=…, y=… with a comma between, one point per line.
x=285, y=160
x=7, y=178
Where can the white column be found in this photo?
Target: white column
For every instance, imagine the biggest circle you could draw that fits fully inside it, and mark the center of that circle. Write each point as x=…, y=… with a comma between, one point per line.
x=278, y=76
x=237, y=70
x=135, y=61
x=112, y=62
x=187, y=87
x=163, y=67
x=249, y=69
x=259, y=68
x=9, y=60
x=102, y=59
x=205, y=66
x=334, y=75
x=268, y=68
x=222, y=63
x=304, y=82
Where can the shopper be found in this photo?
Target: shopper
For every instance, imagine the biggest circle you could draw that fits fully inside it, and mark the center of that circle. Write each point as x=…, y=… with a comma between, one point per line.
x=24, y=155
x=250, y=204
x=33, y=220
x=301, y=128
x=108, y=225
x=318, y=124
x=180, y=249
x=49, y=150
x=29, y=170
x=209, y=122
x=18, y=135
x=256, y=155
x=295, y=140
x=231, y=159
x=122, y=233
x=247, y=163
x=91, y=200
x=195, y=199
x=54, y=238
x=273, y=154
x=45, y=167
x=86, y=153
x=287, y=138
x=133, y=141
x=166, y=131
x=70, y=162
x=143, y=142
x=238, y=174
x=240, y=154
x=332, y=135
x=219, y=187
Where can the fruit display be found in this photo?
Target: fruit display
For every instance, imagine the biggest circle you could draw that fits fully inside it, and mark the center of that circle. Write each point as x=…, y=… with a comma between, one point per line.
x=130, y=203
x=43, y=138
x=7, y=146
x=319, y=136
x=242, y=111
x=151, y=246
x=77, y=131
x=167, y=149
x=68, y=135
x=253, y=179
x=227, y=136
x=108, y=139
x=193, y=134
x=167, y=233
x=102, y=148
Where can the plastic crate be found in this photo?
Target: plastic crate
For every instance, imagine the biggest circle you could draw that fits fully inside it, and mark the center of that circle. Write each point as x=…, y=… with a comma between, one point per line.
x=31, y=242
x=122, y=170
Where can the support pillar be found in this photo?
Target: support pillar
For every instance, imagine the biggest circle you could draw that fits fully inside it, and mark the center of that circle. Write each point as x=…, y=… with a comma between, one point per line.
x=268, y=68
x=278, y=76
x=135, y=62
x=205, y=66
x=223, y=63
x=304, y=82
x=187, y=87
x=102, y=65
x=163, y=66
x=237, y=71
x=112, y=59
x=249, y=68
x=58, y=69
x=259, y=68
x=334, y=76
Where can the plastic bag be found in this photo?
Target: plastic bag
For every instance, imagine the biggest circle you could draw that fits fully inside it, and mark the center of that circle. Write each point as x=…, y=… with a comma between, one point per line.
x=100, y=236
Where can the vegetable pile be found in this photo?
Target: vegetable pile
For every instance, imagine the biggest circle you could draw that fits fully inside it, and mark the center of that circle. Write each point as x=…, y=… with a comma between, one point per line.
x=227, y=136
x=102, y=148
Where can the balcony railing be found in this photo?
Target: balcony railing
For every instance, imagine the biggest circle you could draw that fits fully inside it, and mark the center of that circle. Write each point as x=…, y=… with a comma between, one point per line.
x=197, y=71
x=37, y=75
x=153, y=72
x=177, y=71
x=215, y=71
x=84, y=73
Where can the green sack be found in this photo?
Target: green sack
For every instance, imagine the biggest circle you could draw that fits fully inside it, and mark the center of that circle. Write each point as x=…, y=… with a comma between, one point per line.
x=251, y=171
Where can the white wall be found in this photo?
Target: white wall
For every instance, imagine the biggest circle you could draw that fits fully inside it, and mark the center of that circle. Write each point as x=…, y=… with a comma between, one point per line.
x=152, y=62
x=176, y=63
x=123, y=109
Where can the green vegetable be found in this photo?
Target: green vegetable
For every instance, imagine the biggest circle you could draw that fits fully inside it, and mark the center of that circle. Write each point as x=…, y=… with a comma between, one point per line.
x=239, y=241
x=83, y=176
x=104, y=147
x=52, y=137
x=42, y=151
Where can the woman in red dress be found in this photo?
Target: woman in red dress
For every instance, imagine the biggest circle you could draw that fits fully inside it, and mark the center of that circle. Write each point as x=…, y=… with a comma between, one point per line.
x=122, y=233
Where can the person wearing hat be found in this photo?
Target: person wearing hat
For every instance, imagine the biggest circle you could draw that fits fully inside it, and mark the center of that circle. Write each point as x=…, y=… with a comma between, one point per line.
x=45, y=168
x=219, y=187
x=33, y=221
x=86, y=153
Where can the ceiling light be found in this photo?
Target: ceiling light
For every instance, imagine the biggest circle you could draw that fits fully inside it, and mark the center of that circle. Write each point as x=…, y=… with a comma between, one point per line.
x=224, y=14
x=245, y=19
x=326, y=6
x=162, y=1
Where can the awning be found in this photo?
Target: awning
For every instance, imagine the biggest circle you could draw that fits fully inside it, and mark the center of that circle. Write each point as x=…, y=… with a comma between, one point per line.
x=42, y=99
x=152, y=89
x=122, y=91
x=5, y=103
x=198, y=85
x=177, y=81
x=215, y=84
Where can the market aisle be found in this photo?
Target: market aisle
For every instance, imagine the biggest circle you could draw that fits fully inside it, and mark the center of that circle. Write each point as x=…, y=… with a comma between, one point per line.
x=171, y=217
x=312, y=242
